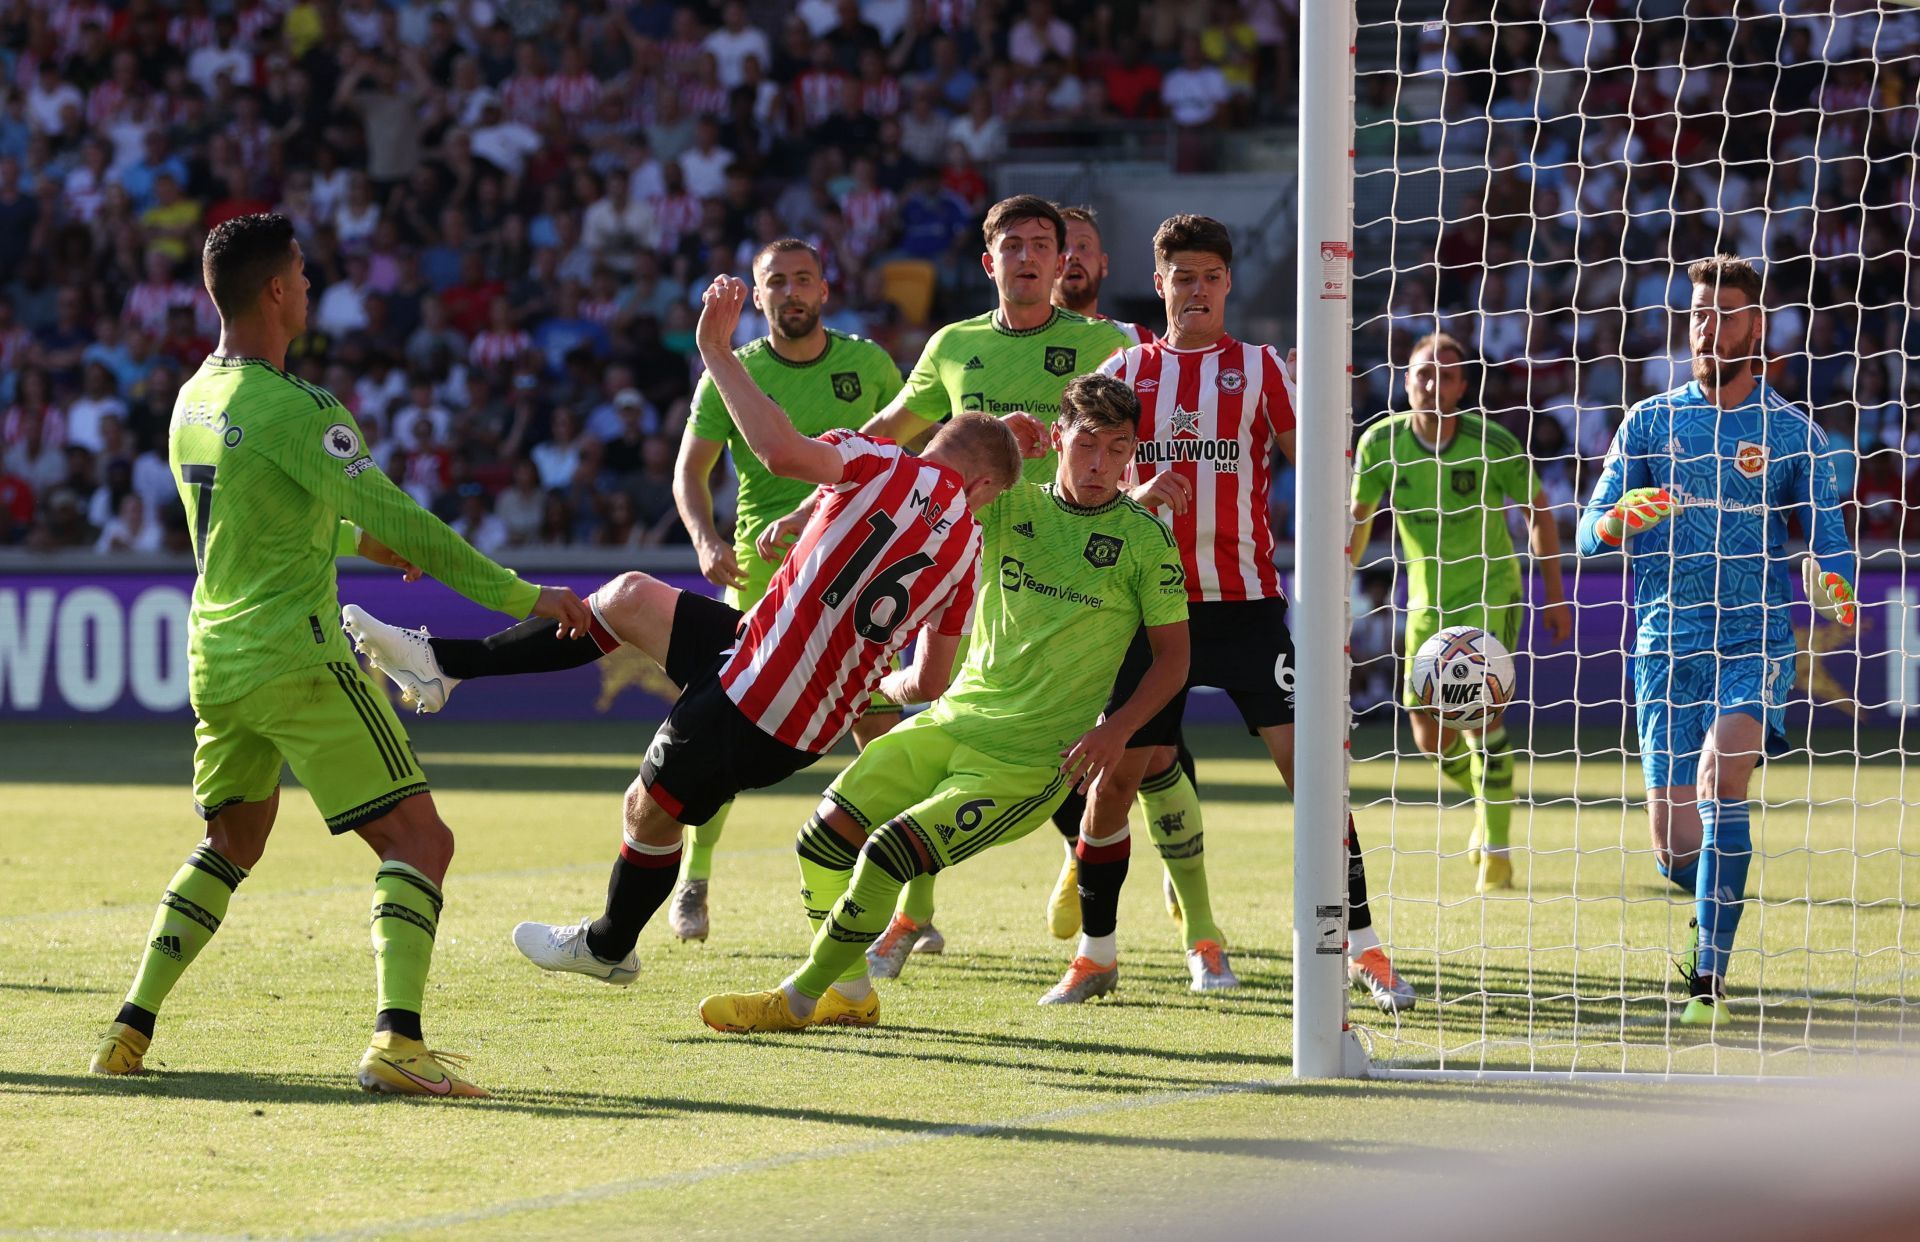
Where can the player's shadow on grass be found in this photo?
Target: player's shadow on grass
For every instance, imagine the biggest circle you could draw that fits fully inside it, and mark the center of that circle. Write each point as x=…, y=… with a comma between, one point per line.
x=57, y=989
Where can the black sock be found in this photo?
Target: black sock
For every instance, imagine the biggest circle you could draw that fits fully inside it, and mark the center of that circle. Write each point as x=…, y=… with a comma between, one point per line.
x=1103, y=872
x=639, y=883
x=1358, y=915
x=139, y=1019
x=402, y=1022
x=527, y=647
x=1066, y=817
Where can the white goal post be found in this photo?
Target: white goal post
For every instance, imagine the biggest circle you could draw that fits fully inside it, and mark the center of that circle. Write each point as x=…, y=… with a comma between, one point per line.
x=1533, y=177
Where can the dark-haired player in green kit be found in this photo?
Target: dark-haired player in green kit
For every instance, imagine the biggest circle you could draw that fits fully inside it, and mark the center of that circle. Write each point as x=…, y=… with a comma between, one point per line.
x=276, y=484
x=1451, y=474
x=1073, y=566
x=825, y=381
x=1019, y=356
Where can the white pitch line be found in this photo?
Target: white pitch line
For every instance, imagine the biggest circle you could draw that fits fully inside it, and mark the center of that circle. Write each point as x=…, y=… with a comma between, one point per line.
x=691, y=1177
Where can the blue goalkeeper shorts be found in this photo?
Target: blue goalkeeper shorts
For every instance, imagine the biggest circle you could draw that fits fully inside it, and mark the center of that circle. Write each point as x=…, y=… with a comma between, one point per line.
x=1678, y=697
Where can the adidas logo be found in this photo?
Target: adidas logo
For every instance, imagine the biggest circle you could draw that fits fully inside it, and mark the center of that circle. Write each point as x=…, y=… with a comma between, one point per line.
x=169, y=945
x=1024, y=528
x=974, y=364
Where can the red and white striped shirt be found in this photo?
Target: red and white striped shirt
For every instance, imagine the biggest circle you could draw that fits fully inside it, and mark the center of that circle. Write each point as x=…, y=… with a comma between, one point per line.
x=148, y=303
x=574, y=94
x=867, y=214
x=1140, y=334
x=523, y=98
x=1213, y=416
x=819, y=93
x=675, y=215
x=890, y=549
x=495, y=351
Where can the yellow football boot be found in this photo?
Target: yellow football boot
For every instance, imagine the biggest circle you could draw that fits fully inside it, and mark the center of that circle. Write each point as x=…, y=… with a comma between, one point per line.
x=836, y=1010
x=740, y=1012
x=396, y=1065
x=120, y=1052
x=1496, y=872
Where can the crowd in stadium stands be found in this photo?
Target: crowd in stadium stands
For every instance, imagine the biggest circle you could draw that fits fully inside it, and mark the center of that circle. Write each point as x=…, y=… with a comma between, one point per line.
x=508, y=209
x=1620, y=145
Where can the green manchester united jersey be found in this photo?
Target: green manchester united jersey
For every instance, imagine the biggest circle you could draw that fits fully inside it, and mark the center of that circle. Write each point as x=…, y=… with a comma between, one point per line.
x=976, y=364
x=268, y=467
x=1062, y=590
x=844, y=387
x=1449, y=505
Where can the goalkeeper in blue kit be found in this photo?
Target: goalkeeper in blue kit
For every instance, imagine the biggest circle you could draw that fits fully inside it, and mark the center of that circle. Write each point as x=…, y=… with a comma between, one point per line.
x=1698, y=489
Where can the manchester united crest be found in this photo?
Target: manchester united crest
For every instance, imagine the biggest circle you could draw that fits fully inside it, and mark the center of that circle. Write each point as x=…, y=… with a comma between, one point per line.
x=1103, y=551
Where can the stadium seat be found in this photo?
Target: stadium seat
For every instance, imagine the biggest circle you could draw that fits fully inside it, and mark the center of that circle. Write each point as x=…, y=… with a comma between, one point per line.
x=909, y=285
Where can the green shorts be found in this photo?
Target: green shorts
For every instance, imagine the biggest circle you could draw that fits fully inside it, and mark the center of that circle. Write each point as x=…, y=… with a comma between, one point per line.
x=955, y=799
x=759, y=572
x=329, y=724
x=1502, y=620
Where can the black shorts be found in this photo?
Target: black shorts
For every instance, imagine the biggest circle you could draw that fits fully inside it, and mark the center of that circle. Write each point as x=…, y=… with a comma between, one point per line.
x=708, y=751
x=1240, y=646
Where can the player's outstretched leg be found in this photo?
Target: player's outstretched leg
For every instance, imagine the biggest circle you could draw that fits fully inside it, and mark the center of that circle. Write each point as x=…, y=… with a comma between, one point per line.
x=414, y=848
x=1492, y=773
x=191, y=911
x=643, y=874
x=887, y=862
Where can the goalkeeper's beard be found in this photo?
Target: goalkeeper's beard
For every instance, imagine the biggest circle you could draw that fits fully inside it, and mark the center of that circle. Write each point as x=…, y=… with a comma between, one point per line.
x=1712, y=371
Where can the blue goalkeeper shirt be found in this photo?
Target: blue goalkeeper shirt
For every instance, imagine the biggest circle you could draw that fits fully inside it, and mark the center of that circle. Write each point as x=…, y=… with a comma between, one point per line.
x=1716, y=575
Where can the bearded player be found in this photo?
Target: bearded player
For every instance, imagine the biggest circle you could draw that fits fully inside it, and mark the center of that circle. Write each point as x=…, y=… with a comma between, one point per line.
x=1698, y=490
x=823, y=380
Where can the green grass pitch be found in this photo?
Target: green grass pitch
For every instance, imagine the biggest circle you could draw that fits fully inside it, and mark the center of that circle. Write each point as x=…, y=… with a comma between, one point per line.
x=970, y=1107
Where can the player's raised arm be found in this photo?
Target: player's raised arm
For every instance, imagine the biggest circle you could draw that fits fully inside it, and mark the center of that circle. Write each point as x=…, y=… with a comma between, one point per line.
x=768, y=432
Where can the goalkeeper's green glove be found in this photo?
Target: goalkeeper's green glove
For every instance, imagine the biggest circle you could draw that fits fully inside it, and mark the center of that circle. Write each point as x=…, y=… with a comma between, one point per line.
x=1639, y=510
x=1829, y=593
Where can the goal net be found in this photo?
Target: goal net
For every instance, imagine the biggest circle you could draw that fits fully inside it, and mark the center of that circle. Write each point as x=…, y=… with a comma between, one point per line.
x=1533, y=177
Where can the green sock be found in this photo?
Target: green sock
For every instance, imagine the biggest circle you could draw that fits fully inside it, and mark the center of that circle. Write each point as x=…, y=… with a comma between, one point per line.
x=1455, y=761
x=1172, y=808
x=1493, y=788
x=701, y=838
x=826, y=868
x=856, y=921
x=916, y=902
x=190, y=912
x=406, y=911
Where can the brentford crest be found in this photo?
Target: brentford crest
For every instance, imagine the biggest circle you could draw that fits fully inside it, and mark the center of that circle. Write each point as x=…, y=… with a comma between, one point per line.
x=1232, y=380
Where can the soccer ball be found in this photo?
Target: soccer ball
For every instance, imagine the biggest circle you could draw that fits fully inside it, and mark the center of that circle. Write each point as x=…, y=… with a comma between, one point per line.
x=1462, y=676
